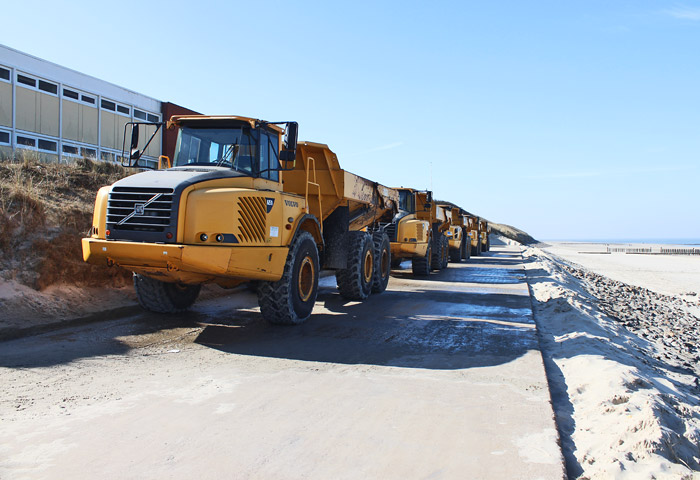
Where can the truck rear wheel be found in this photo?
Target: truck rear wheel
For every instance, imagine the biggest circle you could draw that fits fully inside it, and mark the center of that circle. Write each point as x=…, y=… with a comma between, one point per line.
x=445, y=252
x=421, y=265
x=290, y=300
x=488, y=244
x=355, y=281
x=436, y=257
x=382, y=262
x=163, y=297
x=466, y=248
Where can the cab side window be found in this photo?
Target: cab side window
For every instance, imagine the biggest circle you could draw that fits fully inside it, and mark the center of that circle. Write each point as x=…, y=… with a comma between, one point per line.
x=269, y=156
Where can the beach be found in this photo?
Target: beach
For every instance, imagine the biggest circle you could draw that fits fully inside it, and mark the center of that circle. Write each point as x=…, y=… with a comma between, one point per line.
x=618, y=333
x=667, y=274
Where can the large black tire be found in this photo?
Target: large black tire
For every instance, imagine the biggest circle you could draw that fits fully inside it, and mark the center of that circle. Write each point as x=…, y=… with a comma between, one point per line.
x=163, y=297
x=421, y=265
x=355, y=281
x=445, y=252
x=456, y=253
x=382, y=261
x=436, y=257
x=473, y=250
x=488, y=244
x=478, y=248
x=465, y=246
x=290, y=300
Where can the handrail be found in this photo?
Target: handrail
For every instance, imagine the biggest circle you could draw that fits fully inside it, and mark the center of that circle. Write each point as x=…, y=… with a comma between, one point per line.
x=311, y=161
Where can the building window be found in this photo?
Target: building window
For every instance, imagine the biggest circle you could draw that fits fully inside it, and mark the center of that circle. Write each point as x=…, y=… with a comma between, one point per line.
x=48, y=145
x=70, y=94
x=123, y=109
x=26, y=80
x=139, y=114
x=4, y=74
x=26, y=141
x=71, y=150
x=4, y=138
x=107, y=105
x=87, y=99
x=153, y=118
x=88, y=152
x=108, y=156
x=48, y=87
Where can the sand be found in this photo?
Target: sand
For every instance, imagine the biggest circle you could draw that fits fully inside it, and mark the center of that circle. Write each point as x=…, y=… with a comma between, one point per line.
x=622, y=360
x=668, y=274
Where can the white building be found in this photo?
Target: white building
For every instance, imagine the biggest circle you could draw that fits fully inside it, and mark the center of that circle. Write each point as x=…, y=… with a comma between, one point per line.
x=57, y=113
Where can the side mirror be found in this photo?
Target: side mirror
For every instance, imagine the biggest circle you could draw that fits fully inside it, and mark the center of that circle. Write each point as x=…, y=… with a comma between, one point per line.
x=134, y=153
x=289, y=150
x=290, y=138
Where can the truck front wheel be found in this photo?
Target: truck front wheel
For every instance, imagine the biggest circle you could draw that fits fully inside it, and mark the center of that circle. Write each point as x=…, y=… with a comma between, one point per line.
x=163, y=297
x=456, y=254
x=290, y=300
x=355, y=281
x=421, y=265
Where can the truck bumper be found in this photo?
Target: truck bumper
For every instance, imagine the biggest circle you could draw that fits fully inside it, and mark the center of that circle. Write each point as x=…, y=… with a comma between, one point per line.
x=408, y=250
x=188, y=263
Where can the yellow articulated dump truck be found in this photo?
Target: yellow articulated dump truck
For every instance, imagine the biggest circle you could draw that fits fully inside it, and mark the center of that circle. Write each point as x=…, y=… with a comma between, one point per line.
x=458, y=235
x=417, y=232
x=474, y=234
x=243, y=201
x=484, y=230
x=410, y=230
x=441, y=222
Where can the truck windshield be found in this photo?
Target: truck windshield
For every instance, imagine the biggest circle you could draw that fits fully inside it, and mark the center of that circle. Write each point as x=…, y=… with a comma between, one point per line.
x=406, y=201
x=217, y=147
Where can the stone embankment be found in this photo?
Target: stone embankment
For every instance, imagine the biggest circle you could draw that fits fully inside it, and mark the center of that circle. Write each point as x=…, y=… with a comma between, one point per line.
x=665, y=321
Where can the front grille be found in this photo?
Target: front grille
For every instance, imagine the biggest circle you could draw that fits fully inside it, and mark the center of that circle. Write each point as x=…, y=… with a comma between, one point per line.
x=390, y=230
x=420, y=233
x=252, y=218
x=139, y=209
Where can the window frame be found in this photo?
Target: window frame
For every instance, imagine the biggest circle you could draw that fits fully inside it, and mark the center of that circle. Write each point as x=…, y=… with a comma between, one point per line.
x=81, y=94
x=37, y=83
x=9, y=74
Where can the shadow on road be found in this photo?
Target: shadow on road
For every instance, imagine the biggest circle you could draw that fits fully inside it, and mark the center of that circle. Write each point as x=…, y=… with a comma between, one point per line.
x=431, y=329
x=418, y=324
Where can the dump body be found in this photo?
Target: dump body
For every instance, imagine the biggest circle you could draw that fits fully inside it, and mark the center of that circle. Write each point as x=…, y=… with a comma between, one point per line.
x=325, y=186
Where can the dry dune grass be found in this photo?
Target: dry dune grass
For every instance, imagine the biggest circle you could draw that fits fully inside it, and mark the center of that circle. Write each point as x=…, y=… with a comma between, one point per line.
x=45, y=209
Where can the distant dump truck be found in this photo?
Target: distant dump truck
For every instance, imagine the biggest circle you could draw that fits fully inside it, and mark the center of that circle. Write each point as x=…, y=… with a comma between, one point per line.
x=484, y=231
x=474, y=234
x=457, y=234
x=418, y=232
x=244, y=201
x=410, y=230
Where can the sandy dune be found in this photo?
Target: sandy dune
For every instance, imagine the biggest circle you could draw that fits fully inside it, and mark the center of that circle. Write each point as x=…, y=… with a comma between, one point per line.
x=622, y=360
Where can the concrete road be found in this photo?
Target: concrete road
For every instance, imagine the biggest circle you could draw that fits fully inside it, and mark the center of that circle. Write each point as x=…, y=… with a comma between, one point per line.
x=435, y=378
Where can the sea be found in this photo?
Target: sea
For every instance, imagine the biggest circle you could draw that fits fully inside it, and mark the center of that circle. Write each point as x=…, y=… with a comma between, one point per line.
x=653, y=241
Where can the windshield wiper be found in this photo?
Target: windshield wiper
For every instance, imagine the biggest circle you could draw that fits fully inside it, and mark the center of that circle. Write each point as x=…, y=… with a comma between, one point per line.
x=232, y=150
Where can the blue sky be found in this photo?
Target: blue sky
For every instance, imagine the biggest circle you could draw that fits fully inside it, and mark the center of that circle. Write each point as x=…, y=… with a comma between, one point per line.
x=568, y=119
